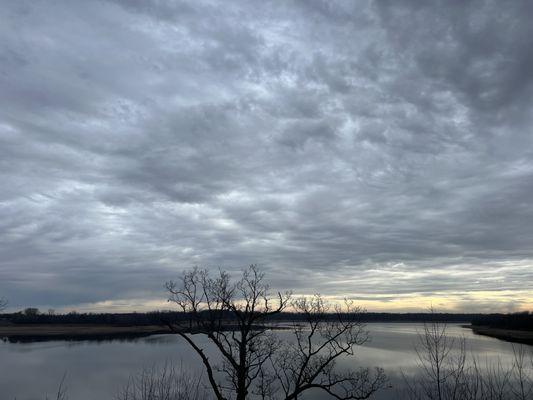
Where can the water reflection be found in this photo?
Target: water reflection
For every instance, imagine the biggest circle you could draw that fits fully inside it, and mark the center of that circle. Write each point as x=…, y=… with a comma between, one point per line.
x=95, y=370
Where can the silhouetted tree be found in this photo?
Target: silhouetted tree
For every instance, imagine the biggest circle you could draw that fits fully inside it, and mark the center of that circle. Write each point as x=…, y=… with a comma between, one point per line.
x=255, y=362
x=442, y=370
x=309, y=361
x=165, y=383
x=447, y=373
x=3, y=303
x=31, y=312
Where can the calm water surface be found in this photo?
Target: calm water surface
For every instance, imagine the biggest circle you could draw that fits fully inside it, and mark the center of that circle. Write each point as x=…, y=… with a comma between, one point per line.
x=96, y=370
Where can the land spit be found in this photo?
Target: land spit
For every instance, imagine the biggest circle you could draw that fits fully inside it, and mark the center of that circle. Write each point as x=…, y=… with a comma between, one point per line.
x=46, y=332
x=509, y=335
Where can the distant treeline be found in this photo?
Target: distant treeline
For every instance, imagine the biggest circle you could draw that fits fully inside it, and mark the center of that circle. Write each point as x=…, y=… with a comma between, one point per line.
x=522, y=321
x=517, y=321
x=120, y=319
x=33, y=316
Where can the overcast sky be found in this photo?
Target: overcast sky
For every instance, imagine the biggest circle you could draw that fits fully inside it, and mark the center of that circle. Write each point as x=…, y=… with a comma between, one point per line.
x=377, y=150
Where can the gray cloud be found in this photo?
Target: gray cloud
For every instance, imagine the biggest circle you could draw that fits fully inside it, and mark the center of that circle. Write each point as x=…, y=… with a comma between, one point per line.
x=378, y=150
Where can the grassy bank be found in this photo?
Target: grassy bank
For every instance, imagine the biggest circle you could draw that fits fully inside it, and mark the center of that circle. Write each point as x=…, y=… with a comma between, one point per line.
x=509, y=335
x=43, y=332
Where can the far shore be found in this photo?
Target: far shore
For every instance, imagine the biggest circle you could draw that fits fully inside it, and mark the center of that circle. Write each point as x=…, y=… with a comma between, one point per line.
x=47, y=332
x=508, y=335
x=44, y=332
x=99, y=332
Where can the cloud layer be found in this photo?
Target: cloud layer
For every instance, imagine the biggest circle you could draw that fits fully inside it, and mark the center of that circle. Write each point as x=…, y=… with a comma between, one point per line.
x=381, y=150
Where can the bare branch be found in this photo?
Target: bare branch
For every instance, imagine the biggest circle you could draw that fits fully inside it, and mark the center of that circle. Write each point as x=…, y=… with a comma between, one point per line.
x=3, y=304
x=254, y=361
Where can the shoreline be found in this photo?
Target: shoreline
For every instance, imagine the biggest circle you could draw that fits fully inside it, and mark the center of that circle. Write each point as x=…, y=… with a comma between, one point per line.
x=73, y=332
x=101, y=332
x=507, y=335
x=28, y=333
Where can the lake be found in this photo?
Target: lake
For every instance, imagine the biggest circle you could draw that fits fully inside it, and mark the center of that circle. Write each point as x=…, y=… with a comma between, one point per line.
x=96, y=370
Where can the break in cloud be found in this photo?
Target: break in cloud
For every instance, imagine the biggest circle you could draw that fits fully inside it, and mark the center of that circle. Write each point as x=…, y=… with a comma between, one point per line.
x=378, y=150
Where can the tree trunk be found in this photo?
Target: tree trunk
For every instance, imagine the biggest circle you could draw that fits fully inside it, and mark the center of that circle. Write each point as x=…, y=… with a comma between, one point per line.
x=241, y=373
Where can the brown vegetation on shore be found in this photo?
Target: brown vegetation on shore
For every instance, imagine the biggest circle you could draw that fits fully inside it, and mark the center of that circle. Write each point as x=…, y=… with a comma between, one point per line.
x=76, y=331
x=509, y=335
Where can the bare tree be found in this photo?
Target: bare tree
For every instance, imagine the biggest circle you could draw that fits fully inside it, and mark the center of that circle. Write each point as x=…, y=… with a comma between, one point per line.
x=229, y=314
x=164, y=383
x=441, y=372
x=255, y=363
x=309, y=362
x=448, y=373
x=31, y=312
x=3, y=304
x=521, y=376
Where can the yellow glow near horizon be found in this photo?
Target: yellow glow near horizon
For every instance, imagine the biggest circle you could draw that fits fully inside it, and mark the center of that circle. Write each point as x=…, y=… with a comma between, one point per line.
x=455, y=302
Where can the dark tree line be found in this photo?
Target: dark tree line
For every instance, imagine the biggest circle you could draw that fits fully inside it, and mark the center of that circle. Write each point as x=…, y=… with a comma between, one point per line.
x=118, y=319
x=34, y=316
x=517, y=321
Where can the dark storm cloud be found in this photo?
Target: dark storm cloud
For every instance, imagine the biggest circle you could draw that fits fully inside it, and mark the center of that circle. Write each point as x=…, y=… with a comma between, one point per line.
x=371, y=150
